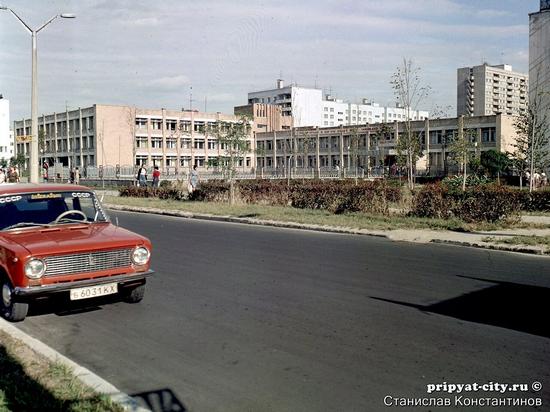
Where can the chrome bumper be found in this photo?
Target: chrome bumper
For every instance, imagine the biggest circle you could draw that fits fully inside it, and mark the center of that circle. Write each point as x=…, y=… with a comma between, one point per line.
x=19, y=293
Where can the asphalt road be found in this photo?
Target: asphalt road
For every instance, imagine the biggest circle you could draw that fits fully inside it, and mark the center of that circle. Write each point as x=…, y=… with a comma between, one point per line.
x=245, y=318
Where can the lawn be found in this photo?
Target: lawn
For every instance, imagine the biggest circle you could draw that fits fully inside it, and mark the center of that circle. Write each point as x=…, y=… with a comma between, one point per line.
x=310, y=216
x=29, y=382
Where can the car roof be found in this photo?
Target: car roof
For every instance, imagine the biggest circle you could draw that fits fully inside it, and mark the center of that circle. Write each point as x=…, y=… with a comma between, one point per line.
x=21, y=188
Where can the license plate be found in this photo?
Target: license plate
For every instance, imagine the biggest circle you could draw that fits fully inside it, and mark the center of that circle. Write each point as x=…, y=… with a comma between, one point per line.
x=94, y=291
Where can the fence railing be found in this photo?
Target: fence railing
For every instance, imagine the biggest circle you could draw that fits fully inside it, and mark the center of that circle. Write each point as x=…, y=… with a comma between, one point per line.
x=62, y=173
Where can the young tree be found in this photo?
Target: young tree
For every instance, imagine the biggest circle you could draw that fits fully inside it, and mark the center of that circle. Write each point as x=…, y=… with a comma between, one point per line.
x=234, y=141
x=409, y=91
x=532, y=146
x=382, y=133
x=461, y=152
x=495, y=162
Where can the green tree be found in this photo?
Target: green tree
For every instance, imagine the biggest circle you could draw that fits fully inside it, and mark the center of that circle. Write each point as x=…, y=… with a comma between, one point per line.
x=532, y=145
x=495, y=162
x=234, y=140
x=409, y=91
x=461, y=149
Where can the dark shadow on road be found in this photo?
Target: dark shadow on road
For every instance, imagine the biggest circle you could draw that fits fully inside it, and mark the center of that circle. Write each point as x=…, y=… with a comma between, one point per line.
x=63, y=306
x=162, y=400
x=513, y=306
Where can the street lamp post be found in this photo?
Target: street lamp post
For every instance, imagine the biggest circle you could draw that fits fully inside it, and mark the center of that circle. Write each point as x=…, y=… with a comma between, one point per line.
x=34, y=94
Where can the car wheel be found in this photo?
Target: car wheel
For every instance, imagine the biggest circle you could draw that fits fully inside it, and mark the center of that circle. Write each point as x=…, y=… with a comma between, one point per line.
x=135, y=294
x=12, y=311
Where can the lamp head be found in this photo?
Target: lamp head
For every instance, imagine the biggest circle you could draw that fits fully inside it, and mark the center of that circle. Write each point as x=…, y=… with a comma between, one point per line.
x=68, y=15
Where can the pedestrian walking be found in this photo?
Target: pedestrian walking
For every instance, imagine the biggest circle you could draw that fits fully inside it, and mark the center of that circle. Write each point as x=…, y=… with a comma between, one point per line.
x=76, y=178
x=142, y=176
x=156, y=177
x=194, y=180
x=2, y=176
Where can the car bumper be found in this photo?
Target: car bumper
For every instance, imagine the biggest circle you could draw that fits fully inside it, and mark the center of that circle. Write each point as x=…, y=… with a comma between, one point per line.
x=31, y=292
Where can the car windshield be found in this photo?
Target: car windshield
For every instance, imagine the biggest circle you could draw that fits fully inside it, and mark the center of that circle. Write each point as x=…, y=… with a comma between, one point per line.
x=44, y=208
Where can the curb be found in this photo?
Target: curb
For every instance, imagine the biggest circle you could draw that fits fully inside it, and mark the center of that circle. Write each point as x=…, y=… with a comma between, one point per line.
x=533, y=250
x=86, y=376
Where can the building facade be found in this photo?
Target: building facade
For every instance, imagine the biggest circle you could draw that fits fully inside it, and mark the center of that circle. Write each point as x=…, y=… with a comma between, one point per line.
x=264, y=117
x=103, y=135
x=486, y=90
x=6, y=136
x=539, y=57
x=308, y=107
x=336, y=112
x=374, y=145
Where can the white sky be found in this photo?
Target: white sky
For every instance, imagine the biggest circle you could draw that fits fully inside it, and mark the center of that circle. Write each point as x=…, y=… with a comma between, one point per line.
x=149, y=54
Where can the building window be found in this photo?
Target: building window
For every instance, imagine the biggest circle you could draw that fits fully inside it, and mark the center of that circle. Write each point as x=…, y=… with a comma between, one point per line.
x=170, y=143
x=199, y=144
x=141, y=123
x=185, y=143
x=156, y=143
x=212, y=144
x=156, y=124
x=142, y=142
x=171, y=125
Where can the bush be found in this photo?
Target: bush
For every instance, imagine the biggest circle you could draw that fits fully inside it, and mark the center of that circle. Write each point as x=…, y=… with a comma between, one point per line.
x=430, y=202
x=455, y=183
x=484, y=203
x=147, y=192
x=211, y=191
x=538, y=201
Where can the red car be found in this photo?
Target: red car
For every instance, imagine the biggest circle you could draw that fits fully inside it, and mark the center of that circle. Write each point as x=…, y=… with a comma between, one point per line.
x=56, y=239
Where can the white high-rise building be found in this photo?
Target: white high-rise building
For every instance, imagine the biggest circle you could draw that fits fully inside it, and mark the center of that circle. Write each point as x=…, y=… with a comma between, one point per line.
x=6, y=138
x=308, y=108
x=336, y=112
x=485, y=90
x=303, y=104
x=539, y=55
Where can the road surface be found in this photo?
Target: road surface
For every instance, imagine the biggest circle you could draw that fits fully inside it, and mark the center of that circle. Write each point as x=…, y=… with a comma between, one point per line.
x=247, y=318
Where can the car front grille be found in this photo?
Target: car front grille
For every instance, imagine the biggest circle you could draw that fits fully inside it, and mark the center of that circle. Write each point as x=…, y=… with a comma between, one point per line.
x=87, y=262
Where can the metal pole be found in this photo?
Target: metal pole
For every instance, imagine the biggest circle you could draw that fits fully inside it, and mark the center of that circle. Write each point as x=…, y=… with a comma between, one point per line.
x=33, y=158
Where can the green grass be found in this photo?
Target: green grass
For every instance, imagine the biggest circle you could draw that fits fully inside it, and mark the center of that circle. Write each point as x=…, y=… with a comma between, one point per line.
x=543, y=241
x=29, y=382
x=310, y=216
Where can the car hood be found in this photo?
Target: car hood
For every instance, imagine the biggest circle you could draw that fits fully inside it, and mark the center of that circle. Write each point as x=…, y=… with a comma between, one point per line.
x=62, y=239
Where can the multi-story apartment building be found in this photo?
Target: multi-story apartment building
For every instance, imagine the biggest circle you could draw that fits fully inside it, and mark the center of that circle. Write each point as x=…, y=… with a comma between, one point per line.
x=6, y=137
x=486, y=90
x=539, y=57
x=103, y=135
x=308, y=107
x=336, y=112
x=374, y=145
x=301, y=104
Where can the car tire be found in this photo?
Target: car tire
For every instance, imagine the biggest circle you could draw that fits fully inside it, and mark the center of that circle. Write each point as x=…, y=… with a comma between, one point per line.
x=134, y=294
x=12, y=311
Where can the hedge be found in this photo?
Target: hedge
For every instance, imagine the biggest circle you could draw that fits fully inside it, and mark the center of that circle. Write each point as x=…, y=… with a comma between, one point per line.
x=484, y=203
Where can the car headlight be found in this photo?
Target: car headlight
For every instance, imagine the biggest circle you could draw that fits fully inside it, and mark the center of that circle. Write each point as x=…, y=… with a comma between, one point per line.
x=35, y=268
x=140, y=255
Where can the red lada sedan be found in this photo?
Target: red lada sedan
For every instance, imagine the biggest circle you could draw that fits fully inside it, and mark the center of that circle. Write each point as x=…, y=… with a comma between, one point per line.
x=57, y=239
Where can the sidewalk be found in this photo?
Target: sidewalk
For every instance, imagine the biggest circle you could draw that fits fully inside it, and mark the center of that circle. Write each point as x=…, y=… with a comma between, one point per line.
x=472, y=239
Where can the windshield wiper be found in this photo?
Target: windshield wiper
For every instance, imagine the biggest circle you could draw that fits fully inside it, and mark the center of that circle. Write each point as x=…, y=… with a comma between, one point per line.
x=69, y=220
x=24, y=224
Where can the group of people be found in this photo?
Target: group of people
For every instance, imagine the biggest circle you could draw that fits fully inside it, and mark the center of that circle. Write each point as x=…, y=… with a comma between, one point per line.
x=9, y=175
x=141, y=178
x=540, y=180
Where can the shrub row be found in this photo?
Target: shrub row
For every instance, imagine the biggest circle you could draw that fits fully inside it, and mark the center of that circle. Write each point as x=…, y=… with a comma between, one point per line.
x=335, y=196
x=484, y=203
x=147, y=191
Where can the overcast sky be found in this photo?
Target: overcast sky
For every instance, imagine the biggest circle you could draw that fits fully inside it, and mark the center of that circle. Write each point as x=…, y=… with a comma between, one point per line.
x=149, y=54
